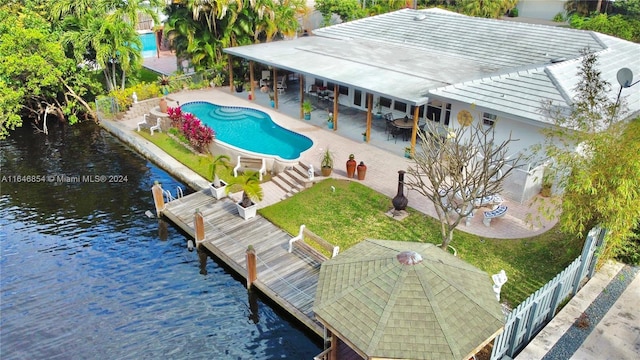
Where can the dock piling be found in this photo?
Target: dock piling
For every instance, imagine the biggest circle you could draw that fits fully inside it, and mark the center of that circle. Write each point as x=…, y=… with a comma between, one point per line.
x=198, y=221
x=158, y=198
x=252, y=273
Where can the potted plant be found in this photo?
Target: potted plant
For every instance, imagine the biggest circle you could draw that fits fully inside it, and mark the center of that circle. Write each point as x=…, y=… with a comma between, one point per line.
x=330, y=121
x=219, y=187
x=238, y=84
x=364, y=136
x=326, y=163
x=164, y=82
x=407, y=152
x=247, y=88
x=378, y=106
x=351, y=166
x=306, y=108
x=249, y=183
x=272, y=102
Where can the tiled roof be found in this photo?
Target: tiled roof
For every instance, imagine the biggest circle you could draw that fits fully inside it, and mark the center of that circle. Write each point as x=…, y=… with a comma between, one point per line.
x=498, y=44
x=522, y=93
x=414, y=55
x=441, y=308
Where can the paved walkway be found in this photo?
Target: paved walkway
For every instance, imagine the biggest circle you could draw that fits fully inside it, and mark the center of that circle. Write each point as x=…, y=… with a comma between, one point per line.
x=601, y=322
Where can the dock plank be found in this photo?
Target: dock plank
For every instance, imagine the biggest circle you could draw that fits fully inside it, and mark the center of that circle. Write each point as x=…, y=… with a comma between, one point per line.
x=289, y=279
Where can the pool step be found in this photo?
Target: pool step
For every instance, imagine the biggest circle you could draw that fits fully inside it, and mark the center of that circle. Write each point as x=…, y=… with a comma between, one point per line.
x=293, y=180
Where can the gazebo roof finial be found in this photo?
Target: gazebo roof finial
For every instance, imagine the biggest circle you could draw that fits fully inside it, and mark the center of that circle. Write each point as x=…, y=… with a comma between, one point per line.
x=409, y=258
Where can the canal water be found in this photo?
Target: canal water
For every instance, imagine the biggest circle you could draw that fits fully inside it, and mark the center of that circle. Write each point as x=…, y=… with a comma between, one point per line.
x=85, y=274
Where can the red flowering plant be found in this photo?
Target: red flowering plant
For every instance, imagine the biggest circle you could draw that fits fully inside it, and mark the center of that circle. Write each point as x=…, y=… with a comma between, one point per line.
x=175, y=114
x=198, y=134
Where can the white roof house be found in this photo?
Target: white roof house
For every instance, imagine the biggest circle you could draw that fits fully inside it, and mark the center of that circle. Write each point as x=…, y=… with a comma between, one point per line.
x=454, y=62
x=414, y=55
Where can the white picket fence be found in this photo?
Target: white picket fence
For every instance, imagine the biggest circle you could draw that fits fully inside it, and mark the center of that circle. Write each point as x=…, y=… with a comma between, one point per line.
x=523, y=323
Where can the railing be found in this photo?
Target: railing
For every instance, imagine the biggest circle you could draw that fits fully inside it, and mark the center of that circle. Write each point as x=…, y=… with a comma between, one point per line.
x=168, y=197
x=538, y=309
x=323, y=355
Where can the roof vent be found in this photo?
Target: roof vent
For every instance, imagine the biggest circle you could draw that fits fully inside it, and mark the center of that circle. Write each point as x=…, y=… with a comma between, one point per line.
x=420, y=17
x=558, y=59
x=409, y=258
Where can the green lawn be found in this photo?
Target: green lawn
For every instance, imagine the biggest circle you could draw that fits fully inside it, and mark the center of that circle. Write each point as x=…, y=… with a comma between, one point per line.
x=354, y=212
x=198, y=163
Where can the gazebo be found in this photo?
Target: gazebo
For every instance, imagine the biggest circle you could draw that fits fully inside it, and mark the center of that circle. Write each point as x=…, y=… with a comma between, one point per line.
x=406, y=300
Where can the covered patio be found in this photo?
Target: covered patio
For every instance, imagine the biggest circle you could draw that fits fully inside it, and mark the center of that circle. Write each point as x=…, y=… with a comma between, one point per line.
x=353, y=121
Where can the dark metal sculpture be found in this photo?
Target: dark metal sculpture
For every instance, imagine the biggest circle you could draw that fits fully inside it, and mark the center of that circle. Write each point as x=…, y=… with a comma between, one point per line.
x=400, y=201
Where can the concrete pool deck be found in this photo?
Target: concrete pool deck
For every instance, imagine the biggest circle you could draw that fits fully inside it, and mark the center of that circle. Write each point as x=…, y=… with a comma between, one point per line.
x=382, y=165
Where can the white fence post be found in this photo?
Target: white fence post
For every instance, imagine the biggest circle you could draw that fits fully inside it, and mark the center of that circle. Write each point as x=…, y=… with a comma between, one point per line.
x=537, y=310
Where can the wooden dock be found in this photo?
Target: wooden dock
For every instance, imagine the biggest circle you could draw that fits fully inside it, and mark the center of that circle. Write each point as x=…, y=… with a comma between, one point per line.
x=289, y=279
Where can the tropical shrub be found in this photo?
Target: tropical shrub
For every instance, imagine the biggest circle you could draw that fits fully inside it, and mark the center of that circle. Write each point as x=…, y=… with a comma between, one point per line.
x=616, y=25
x=143, y=91
x=198, y=134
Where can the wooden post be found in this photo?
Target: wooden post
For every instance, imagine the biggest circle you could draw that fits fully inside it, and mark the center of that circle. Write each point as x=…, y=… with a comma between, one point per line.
x=198, y=221
x=158, y=199
x=414, y=130
x=302, y=86
x=369, y=108
x=252, y=273
x=333, y=355
x=253, y=95
x=275, y=87
x=229, y=60
x=335, y=107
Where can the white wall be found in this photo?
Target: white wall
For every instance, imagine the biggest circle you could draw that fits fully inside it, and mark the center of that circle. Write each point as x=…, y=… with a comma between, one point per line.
x=540, y=9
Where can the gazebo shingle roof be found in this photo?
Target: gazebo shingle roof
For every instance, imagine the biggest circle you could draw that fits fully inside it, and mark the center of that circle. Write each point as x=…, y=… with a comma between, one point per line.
x=440, y=308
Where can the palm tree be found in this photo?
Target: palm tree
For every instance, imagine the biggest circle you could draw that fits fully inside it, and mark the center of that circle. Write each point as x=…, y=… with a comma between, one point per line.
x=220, y=162
x=249, y=184
x=104, y=32
x=216, y=24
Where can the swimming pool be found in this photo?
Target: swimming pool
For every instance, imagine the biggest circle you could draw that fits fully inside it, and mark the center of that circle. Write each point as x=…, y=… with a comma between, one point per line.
x=149, y=48
x=249, y=129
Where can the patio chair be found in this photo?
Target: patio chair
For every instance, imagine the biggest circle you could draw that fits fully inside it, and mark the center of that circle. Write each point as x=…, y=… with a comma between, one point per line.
x=388, y=119
x=282, y=85
x=313, y=90
x=394, y=132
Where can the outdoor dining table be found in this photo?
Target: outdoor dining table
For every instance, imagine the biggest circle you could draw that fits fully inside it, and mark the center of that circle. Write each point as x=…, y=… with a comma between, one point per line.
x=405, y=125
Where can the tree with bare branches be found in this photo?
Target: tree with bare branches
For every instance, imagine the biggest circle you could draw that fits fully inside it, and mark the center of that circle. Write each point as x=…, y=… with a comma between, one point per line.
x=457, y=169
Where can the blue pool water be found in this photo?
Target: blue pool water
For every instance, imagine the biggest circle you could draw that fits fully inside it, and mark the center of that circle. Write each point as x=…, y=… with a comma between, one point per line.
x=148, y=45
x=249, y=129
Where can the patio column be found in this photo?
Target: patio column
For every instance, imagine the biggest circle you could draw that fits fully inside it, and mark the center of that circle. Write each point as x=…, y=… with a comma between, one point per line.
x=251, y=77
x=369, y=108
x=414, y=131
x=335, y=107
x=302, y=86
x=230, y=61
x=275, y=87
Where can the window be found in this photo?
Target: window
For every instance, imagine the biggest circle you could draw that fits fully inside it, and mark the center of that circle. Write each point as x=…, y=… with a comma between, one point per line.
x=434, y=110
x=386, y=102
x=343, y=90
x=420, y=112
x=400, y=106
x=489, y=119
